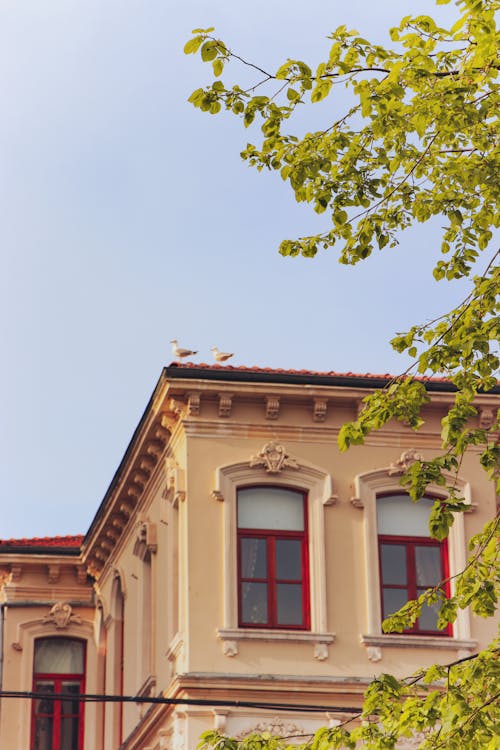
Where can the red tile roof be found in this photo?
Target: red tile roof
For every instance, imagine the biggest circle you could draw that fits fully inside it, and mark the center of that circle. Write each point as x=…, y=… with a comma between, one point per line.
x=44, y=541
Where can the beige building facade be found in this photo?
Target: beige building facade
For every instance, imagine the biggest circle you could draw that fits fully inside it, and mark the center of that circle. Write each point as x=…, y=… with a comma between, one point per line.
x=236, y=556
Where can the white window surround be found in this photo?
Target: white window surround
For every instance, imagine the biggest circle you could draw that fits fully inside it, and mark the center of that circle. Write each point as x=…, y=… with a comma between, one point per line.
x=382, y=481
x=317, y=483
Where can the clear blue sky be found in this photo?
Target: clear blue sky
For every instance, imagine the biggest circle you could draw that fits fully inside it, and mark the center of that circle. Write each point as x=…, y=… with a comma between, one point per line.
x=128, y=219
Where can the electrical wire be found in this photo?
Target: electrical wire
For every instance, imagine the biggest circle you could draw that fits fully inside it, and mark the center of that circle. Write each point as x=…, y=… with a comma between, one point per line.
x=96, y=698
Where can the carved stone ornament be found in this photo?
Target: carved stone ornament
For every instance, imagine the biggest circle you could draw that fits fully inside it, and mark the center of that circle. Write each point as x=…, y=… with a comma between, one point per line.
x=374, y=653
x=486, y=418
x=230, y=648
x=406, y=459
x=320, y=651
x=272, y=407
x=61, y=615
x=274, y=458
x=276, y=727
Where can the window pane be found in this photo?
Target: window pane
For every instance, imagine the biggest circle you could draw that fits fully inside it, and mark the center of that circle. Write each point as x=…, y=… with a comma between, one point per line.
x=43, y=733
x=289, y=600
x=393, y=599
x=270, y=508
x=428, y=565
x=253, y=558
x=58, y=656
x=397, y=514
x=428, y=617
x=70, y=705
x=393, y=557
x=69, y=733
x=288, y=559
x=43, y=706
x=254, y=603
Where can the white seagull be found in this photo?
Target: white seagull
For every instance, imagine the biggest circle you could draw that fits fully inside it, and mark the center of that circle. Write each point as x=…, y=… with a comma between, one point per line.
x=220, y=356
x=179, y=352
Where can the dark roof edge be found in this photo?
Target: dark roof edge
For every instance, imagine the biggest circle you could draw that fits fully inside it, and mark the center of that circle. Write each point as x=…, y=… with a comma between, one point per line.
x=260, y=376
x=296, y=378
x=26, y=549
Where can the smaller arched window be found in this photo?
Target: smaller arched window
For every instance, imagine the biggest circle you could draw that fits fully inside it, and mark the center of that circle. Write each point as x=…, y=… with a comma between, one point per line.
x=59, y=669
x=272, y=558
x=409, y=560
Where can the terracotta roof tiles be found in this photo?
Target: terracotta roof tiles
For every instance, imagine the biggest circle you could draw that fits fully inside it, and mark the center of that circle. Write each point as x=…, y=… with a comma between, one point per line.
x=44, y=541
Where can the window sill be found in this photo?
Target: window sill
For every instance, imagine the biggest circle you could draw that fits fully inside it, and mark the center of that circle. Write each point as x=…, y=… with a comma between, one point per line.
x=231, y=636
x=375, y=643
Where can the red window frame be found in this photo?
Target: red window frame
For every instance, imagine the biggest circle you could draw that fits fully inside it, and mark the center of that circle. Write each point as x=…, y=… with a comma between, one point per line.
x=58, y=678
x=413, y=590
x=271, y=536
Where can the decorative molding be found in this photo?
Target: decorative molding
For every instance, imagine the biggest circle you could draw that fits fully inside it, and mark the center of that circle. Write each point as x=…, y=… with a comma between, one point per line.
x=320, y=406
x=320, y=651
x=230, y=648
x=177, y=407
x=154, y=449
x=406, y=459
x=17, y=646
x=193, y=408
x=174, y=490
x=374, y=653
x=146, y=542
x=272, y=407
x=126, y=508
x=16, y=572
x=225, y=404
x=393, y=640
x=274, y=458
x=231, y=636
x=356, y=502
x=162, y=434
x=486, y=417
x=61, y=615
x=146, y=464
x=275, y=727
x=54, y=573
x=81, y=574
x=217, y=496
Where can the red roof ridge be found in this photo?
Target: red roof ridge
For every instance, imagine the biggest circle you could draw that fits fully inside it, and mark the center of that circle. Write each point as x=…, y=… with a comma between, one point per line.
x=74, y=540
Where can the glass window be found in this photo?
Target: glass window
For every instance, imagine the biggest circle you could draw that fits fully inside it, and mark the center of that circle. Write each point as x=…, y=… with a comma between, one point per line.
x=272, y=558
x=59, y=669
x=410, y=561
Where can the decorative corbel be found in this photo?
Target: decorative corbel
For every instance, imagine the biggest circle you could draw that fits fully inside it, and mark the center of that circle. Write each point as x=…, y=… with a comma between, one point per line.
x=217, y=496
x=193, y=408
x=146, y=464
x=486, y=417
x=16, y=572
x=225, y=404
x=272, y=407
x=374, y=653
x=54, y=572
x=230, y=648
x=126, y=507
x=356, y=502
x=81, y=574
x=154, y=449
x=321, y=651
x=320, y=406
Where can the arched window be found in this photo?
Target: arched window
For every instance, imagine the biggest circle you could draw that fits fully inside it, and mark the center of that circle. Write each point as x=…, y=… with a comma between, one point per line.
x=59, y=669
x=272, y=558
x=409, y=560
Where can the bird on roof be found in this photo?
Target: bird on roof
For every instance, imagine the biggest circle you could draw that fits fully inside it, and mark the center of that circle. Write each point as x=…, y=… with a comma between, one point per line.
x=220, y=356
x=179, y=352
